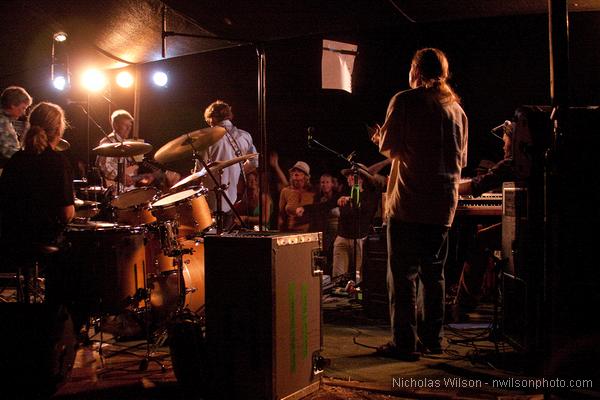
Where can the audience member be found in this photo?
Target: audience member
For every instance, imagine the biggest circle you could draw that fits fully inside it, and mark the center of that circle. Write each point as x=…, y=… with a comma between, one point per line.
x=297, y=194
x=355, y=221
x=323, y=214
x=248, y=207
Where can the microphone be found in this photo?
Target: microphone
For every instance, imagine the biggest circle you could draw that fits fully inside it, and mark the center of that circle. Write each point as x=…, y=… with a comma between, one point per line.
x=310, y=131
x=505, y=124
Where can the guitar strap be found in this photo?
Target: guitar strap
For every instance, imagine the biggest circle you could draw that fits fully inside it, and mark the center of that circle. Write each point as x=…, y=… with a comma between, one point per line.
x=236, y=149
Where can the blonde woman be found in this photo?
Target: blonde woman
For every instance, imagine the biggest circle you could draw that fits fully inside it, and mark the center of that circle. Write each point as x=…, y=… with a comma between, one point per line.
x=36, y=188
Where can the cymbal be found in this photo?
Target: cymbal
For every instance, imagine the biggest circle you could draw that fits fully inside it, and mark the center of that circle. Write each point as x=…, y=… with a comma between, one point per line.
x=185, y=145
x=214, y=167
x=125, y=149
x=62, y=145
x=85, y=203
x=189, y=178
x=219, y=165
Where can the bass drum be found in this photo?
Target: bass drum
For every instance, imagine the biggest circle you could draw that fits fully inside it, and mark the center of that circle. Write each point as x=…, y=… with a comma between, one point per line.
x=104, y=267
x=163, y=279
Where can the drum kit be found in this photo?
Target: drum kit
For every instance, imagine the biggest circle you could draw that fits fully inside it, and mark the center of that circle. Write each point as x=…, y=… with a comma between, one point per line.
x=148, y=255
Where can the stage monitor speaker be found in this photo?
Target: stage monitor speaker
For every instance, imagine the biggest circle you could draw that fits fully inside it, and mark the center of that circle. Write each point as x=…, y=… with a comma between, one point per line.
x=263, y=315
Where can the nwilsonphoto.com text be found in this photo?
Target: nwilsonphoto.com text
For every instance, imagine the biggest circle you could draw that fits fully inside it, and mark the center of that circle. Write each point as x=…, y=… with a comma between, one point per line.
x=506, y=383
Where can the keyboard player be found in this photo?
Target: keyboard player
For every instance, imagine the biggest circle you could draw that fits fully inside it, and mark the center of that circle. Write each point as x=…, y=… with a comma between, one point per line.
x=477, y=273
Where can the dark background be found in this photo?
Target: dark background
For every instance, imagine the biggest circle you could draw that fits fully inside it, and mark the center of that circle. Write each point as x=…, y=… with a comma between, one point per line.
x=497, y=64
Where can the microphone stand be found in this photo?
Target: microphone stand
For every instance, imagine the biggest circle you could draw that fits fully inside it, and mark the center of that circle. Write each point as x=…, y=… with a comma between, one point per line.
x=121, y=162
x=354, y=194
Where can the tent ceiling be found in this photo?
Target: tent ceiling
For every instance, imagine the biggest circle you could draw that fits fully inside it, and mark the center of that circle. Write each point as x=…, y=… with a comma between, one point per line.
x=101, y=32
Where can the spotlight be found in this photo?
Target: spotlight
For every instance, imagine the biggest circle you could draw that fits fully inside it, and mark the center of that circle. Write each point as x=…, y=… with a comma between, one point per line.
x=124, y=79
x=160, y=78
x=60, y=37
x=93, y=80
x=59, y=82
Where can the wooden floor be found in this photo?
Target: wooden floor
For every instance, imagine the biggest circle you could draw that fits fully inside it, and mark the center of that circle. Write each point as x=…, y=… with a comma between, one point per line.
x=106, y=368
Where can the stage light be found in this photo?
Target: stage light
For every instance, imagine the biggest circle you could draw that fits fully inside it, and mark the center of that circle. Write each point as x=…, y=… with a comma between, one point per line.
x=59, y=69
x=59, y=82
x=124, y=79
x=160, y=78
x=93, y=80
x=60, y=37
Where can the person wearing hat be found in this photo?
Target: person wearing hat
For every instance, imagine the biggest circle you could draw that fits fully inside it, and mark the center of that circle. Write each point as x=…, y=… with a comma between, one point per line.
x=477, y=278
x=297, y=194
x=355, y=221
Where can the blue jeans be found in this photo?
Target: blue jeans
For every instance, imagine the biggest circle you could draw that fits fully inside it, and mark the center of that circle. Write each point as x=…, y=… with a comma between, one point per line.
x=416, y=251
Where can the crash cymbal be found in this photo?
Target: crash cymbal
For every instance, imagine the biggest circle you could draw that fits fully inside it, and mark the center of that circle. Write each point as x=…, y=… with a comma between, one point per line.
x=185, y=145
x=214, y=168
x=219, y=165
x=124, y=149
x=62, y=145
x=189, y=178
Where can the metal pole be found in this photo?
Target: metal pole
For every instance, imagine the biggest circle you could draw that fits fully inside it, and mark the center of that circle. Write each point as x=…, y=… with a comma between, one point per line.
x=263, y=175
x=558, y=32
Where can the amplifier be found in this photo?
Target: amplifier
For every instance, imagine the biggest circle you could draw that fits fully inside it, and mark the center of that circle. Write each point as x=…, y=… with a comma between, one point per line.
x=263, y=315
x=374, y=275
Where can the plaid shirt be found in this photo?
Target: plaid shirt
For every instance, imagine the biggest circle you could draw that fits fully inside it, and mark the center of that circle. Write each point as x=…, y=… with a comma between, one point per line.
x=9, y=139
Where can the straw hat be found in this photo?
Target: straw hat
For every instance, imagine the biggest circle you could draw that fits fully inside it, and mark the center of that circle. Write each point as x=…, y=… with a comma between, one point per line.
x=301, y=166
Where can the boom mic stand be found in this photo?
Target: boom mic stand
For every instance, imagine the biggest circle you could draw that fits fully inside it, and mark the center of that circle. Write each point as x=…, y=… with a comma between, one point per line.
x=121, y=163
x=354, y=195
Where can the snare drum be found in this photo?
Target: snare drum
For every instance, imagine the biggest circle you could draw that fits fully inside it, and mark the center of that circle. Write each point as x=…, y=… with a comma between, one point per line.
x=132, y=207
x=189, y=208
x=108, y=263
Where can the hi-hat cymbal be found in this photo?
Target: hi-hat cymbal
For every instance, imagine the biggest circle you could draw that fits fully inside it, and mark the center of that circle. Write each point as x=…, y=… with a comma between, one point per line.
x=124, y=149
x=185, y=145
x=214, y=168
x=85, y=203
x=62, y=145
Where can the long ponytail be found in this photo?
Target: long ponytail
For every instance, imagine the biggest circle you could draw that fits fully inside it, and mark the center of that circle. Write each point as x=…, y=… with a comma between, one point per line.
x=47, y=121
x=430, y=67
x=36, y=140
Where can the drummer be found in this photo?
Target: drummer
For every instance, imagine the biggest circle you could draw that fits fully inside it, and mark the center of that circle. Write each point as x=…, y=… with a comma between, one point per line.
x=122, y=124
x=235, y=143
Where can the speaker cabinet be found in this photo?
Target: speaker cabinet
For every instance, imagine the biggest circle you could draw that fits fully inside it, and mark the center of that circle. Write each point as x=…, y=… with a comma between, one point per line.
x=374, y=284
x=263, y=315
